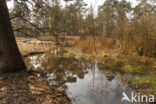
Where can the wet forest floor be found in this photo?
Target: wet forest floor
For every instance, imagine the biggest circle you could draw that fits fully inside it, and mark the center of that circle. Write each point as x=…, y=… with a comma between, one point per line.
x=26, y=88
x=29, y=87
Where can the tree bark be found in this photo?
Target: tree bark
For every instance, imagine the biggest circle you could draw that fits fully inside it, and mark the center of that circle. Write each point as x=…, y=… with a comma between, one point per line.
x=10, y=57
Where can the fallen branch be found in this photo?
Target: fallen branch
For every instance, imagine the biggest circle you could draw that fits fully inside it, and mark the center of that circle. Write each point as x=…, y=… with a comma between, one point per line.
x=32, y=53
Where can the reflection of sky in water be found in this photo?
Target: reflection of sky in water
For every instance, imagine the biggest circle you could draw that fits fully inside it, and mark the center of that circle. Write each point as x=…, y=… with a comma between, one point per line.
x=95, y=88
x=35, y=62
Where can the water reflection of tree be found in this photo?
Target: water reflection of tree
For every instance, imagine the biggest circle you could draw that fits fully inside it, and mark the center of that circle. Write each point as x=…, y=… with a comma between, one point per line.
x=100, y=82
x=66, y=69
x=93, y=72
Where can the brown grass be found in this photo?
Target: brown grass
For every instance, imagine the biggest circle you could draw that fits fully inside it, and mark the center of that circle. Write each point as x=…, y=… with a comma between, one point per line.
x=102, y=45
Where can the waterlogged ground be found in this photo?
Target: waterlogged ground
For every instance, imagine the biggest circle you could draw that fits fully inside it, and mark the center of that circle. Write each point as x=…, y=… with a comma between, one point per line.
x=75, y=77
x=86, y=80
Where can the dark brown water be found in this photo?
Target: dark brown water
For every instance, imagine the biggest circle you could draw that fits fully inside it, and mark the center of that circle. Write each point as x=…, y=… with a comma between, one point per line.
x=83, y=81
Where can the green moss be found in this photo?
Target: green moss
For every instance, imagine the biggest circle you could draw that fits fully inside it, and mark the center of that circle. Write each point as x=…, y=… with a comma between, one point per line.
x=66, y=53
x=134, y=82
x=127, y=65
x=114, y=65
x=144, y=83
x=154, y=85
x=63, y=52
x=137, y=69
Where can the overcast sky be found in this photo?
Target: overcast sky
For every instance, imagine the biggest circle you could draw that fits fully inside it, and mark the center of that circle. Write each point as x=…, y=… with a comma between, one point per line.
x=94, y=3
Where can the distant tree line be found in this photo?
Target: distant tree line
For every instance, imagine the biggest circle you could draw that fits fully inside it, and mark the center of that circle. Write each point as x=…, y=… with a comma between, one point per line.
x=130, y=29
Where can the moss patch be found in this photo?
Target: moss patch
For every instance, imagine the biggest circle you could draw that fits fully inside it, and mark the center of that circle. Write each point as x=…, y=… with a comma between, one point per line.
x=145, y=84
x=127, y=65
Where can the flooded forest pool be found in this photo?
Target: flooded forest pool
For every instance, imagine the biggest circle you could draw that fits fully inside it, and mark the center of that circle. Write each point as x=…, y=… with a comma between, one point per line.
x=83, y=82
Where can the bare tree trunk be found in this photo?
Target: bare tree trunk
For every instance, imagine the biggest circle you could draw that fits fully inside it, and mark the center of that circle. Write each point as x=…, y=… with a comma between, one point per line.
x=57, y=39
x=10, y=57
x=94, y=38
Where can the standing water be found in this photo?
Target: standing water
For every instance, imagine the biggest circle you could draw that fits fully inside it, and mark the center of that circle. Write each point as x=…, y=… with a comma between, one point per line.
x=97, y=87
x=84, y=81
